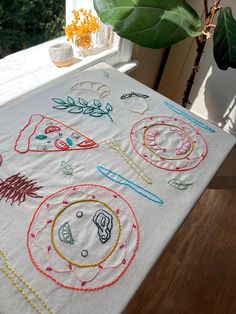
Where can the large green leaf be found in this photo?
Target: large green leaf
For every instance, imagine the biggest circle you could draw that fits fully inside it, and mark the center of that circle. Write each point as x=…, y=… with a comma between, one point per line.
x=225, y=40
x=150, y=23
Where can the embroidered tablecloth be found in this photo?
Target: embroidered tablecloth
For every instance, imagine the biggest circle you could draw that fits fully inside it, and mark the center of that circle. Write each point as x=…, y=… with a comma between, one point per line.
x=97, y=172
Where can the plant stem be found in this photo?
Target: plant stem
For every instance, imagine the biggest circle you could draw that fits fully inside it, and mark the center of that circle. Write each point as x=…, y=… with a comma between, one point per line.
x=206, y=8
x=201, y=42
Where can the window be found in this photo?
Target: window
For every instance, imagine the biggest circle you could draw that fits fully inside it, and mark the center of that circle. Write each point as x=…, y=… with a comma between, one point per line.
x=28, y=70
x=27, y=23
x=121, y=49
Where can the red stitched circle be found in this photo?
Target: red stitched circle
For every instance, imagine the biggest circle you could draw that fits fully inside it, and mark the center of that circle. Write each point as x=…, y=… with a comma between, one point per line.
x=144, y=155
x=127, y=263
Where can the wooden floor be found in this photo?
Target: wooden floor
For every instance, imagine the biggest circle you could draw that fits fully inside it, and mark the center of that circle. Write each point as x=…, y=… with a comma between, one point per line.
x=196, y=274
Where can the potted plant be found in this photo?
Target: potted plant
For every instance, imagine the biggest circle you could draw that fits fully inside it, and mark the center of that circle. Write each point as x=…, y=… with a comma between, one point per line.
x=160, y=24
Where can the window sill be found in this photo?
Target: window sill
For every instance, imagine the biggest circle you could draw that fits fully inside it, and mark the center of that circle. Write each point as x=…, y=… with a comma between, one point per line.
x=31, y=69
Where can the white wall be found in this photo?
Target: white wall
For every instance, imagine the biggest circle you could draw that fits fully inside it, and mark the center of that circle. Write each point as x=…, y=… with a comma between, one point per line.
x=149, y=63
x=214, y=92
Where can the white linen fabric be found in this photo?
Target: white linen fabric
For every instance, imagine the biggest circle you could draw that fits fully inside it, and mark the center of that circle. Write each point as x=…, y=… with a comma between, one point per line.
x=80, y=222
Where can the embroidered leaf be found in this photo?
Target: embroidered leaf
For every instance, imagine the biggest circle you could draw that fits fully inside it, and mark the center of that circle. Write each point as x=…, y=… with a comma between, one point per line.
x=71, y=101
x=83, y=102
x=60, y=107
x=225, y=40
x=66, y=168
x=76, y=110
x=89, y=110
x=97, y=113
x=94, y=110
x=97, y=103
x=59, y=101
x=109, y=107
x=16, y=188
x=178, y=184
x=152, y=23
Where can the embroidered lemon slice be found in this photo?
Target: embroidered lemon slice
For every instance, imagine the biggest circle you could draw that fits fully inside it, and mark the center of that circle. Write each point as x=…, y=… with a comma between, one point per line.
x=65, y=234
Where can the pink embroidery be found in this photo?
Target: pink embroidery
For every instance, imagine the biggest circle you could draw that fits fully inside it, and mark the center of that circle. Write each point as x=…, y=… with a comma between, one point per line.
x=185, y=143
x=61, y=145
x=168, y=143
x=52, y=128
x=151, y=140
x=87, y=278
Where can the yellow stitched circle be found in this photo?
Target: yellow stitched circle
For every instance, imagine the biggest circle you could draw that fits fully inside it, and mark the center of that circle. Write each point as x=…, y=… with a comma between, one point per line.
x=171, y=125
x=105, y=257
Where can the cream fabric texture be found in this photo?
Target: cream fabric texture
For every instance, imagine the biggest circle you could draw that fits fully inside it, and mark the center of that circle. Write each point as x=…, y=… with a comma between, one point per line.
x=101, y=221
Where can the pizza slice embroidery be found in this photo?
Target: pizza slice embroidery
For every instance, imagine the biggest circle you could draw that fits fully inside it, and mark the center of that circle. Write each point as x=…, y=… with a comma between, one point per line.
x=45, y=134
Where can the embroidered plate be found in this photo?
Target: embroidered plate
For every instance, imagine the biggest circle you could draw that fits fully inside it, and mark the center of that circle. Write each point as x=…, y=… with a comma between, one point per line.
x=168, y=143
x=83, y=237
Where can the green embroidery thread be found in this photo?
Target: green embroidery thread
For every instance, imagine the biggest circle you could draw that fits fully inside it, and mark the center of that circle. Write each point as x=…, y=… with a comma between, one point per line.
x=178, y=184
x=83, y=107
x=65, y=234
x=66, y=168
x=11, y=274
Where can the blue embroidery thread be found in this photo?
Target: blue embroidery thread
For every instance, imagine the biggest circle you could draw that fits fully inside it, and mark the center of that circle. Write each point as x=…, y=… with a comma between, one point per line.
x=190, y=118
x=104, y=222
x=123, y=181
x=83, y=107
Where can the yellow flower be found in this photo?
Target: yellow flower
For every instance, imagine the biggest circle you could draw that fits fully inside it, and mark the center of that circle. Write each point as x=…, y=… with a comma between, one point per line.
x=83, y=23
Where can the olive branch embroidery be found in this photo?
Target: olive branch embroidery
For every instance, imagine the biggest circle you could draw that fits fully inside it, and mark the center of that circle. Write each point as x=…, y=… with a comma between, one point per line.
x=83, y=107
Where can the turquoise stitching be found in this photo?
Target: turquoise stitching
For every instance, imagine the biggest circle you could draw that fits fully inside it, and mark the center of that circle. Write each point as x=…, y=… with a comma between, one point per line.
x=123, y=181
x=65, y=234
x=83, y=107
x=190, y=118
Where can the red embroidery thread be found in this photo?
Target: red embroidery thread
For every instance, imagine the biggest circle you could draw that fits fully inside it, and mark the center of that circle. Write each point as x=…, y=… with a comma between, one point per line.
x=180, y=162
x=124, y=262
x=16, y=188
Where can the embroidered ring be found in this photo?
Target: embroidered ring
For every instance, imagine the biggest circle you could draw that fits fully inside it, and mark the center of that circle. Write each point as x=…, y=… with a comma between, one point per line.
x=108, y=228
x=168, y=143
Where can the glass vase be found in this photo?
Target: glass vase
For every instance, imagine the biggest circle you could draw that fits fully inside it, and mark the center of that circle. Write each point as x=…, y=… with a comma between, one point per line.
x=83, y=44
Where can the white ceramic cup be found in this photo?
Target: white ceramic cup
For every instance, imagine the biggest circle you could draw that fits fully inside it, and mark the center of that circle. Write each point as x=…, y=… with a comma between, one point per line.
x=61, y=54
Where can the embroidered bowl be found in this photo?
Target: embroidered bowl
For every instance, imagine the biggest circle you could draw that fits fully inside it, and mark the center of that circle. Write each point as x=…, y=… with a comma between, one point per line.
x=61, y=54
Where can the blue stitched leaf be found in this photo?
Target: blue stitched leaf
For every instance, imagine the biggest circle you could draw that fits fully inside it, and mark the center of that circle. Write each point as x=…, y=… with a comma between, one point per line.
x=76, y=110
x=69, y=141
x=89, y=110
x=97, y=113
x=59, y=101
x=60, y=107
x=108, y=107
x=83, y=102
x=71, y=101
x=97, y=103
x=41, y=137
